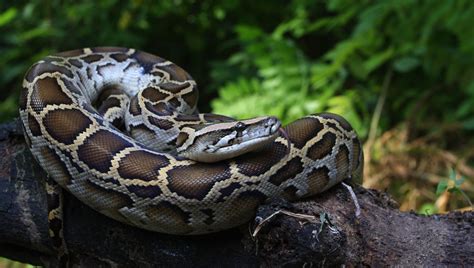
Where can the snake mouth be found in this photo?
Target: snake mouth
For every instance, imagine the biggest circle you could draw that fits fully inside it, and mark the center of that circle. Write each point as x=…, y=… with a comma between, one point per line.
x=260, y=130
x=237, y=139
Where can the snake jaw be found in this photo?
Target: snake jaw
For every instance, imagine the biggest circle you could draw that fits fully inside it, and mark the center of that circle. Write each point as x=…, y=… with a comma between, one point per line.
x=217, y=143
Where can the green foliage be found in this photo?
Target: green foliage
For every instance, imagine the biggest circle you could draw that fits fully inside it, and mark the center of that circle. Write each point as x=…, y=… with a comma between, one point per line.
x=456, y=184
x=7, y=263
x=325, y=220
x=279, y=79
x=289, y=73
x=307, y=57
x=191, y=33
x=427, y=209
x=453, y=185
x=284, y=58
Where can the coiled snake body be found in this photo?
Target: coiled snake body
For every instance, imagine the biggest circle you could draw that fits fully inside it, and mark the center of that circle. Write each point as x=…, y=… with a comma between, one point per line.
x=71, y=108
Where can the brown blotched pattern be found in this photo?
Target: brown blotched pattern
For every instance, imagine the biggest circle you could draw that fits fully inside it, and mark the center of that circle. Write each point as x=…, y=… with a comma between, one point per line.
x=134, y=107
x=70, y=53
x=46, y=92
x=90, y=152
x=323, y=147
x=318, y=178
x=161, y=123
x=141, y=165
x=92, y=58
x=119, y=57
x=63, y=105
x=59, y=170
x=340, y=121
x=342, y=163
x=303, y=130
x=288, y=171
x=47, y=68
x=252, y=165
x=102, y=199
x=154, y=94
x=171, y=215
x=145, y=191
x=34, y=126
x=204, y=177
x=58, y=124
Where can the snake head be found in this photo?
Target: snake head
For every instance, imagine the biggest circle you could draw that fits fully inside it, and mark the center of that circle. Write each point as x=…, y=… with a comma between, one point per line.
x=216, y=142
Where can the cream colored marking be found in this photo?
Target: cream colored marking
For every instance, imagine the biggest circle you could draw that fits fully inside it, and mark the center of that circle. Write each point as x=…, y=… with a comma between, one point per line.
x=133, y=80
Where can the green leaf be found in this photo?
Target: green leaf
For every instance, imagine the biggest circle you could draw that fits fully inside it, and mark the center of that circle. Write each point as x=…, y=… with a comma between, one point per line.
x=248, y=33
x=406, y=64
x=378, y=59
x=427, y=209
x=464, y=109
x=442, y=186
x=7, y=16
x=323, y=217
x=452, y=174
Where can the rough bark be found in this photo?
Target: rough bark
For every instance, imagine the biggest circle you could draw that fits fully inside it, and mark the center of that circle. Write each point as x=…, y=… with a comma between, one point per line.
x=288, y=234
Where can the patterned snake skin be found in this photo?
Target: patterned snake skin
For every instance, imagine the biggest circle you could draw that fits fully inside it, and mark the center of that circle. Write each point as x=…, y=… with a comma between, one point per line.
x=70, y=134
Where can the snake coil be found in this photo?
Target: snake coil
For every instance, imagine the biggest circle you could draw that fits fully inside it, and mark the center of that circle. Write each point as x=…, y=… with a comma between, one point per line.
x=78, y=141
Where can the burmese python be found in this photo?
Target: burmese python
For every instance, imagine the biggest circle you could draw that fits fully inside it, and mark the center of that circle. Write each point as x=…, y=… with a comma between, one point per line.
x=71, y=107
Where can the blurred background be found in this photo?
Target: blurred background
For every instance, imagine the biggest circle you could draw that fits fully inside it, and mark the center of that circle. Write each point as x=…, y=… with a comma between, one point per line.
x=400, y=71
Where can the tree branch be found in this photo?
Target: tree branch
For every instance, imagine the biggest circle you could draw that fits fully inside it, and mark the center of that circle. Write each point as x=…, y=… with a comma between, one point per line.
x=382, y=235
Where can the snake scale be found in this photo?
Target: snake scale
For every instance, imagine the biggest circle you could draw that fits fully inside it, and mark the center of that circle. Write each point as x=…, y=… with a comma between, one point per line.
x=72, y=106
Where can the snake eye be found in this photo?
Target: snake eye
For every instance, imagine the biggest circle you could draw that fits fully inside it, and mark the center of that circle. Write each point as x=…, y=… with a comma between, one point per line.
x=240, y=126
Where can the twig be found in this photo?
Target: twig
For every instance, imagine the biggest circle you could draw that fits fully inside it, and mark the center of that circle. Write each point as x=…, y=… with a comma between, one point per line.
x=309, y=218
x=354, y=198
